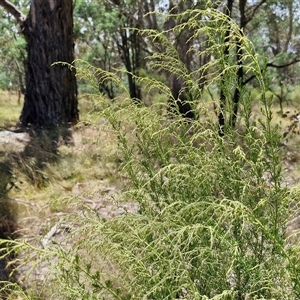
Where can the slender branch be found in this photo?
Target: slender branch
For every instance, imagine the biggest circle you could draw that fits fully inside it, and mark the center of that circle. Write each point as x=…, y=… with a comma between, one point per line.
x=12, y=9
x=272, y=65
x=253, y=9
x=249, y=79
x=283, y=66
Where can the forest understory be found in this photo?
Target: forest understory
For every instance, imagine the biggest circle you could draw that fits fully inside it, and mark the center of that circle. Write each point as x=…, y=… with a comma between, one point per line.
x=37, y=184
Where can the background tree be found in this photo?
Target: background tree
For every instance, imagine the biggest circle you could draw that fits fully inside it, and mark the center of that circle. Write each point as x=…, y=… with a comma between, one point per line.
x=275, y=31
x=105, y=37
x=94, y=28
x=51, y=91
x=272, y=28
x=108, y=37
x=181, y=98
x=12, y=53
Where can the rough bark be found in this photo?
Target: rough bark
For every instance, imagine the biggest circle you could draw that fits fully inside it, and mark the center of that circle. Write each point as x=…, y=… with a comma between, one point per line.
x=51, y=90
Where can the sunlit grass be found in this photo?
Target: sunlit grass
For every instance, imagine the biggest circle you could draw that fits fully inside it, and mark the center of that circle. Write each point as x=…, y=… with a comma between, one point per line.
x=88, y=165
x=42, y=176
x=10, y=108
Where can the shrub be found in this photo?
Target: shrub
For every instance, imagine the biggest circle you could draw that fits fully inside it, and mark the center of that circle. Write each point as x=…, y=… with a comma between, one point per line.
x=212, y=210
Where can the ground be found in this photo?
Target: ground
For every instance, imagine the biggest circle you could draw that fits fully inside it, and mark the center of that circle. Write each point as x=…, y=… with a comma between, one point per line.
x=42, y=170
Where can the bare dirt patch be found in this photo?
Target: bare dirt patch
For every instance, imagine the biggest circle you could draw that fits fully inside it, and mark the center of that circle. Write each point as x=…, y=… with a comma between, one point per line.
x=82, y=169
x=13, y=140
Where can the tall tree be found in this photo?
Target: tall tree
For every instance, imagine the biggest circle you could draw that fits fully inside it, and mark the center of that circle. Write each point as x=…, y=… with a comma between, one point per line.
x=108, y=37
x=271, y=27
x=221, y=116
x=51, y=90
x=183, y=42
x=281, y=45
x=245, y=18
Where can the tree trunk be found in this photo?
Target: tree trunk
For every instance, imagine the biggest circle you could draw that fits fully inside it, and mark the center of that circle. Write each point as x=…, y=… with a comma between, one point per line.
x=51, y=90
x=129, y=48
x=221, y=116
x=181, y=98
x=239, y=58
x=180, y=101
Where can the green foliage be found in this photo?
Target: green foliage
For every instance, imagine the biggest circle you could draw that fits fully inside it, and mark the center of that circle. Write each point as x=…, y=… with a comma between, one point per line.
x=212, y=211
x=12, y=52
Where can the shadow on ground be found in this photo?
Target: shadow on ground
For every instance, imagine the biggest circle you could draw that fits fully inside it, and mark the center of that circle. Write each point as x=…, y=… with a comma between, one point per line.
x=24, y=154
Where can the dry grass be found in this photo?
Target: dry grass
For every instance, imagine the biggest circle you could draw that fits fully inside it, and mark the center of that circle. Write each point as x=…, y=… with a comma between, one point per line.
x=39, y=176
x=44, y=175
x=10, y=108
x=52, y=173
x=50, y=166
x=48, y=174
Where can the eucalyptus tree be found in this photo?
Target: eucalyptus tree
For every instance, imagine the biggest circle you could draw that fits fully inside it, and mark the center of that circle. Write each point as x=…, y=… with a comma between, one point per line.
x=108, y=36
x=242, y=13
x=51, y=90
x=275, y=31
x=12, y=53
x=273, y=28
x=94, y=28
